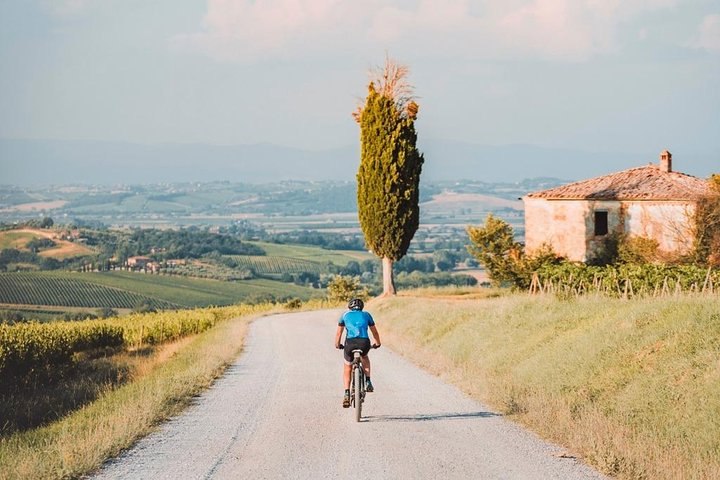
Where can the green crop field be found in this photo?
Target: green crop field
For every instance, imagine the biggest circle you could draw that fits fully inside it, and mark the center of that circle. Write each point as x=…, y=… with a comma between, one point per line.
x=274, y=265
x=38, y=288
x=126, y=290
x=313, y=254
x=13, y=239
x=196, y=292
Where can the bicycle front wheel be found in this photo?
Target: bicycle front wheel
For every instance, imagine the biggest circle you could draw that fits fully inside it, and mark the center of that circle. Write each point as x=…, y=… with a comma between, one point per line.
x=357, y=377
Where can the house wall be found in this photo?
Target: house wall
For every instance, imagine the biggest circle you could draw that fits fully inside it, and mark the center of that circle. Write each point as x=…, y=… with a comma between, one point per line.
x=670, y=223
x=561, y=224
x=568, y=225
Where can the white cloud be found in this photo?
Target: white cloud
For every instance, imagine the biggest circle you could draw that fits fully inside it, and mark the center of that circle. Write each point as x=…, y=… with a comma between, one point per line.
x=246, y=31
x=708, y=35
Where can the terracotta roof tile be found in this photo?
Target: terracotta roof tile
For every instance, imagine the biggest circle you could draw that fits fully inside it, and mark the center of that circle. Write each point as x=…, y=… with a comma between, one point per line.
x=641, y=183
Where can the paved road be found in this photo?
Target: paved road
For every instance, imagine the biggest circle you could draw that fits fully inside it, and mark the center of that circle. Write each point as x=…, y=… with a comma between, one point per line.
x=277, y=413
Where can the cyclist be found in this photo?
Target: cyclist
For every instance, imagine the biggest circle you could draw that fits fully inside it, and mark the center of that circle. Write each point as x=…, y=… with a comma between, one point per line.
x=356, y=322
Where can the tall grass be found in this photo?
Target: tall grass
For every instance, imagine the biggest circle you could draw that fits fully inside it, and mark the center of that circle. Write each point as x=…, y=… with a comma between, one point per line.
x=161, y=387
x=633, y=386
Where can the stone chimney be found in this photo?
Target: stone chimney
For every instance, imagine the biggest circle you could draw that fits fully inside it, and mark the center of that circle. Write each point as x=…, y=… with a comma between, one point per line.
x=666, y=161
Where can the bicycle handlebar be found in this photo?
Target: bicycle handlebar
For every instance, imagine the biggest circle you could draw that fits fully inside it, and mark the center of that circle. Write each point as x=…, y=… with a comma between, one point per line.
x=341, y=346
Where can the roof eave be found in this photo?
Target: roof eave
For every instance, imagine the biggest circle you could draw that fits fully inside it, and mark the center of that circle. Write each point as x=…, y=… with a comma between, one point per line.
x=616, y=199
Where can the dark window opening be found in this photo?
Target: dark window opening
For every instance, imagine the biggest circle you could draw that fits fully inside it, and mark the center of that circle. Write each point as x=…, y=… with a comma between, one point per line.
x=601, y=223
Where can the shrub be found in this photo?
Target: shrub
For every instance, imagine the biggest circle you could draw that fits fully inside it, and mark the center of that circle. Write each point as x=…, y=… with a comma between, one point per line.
x=495, y=248
x=344, y=288
x=608, y=252
x=707, y=226
x=293, y=304
x=107, y=312
x=438, y=279
x=638, y=250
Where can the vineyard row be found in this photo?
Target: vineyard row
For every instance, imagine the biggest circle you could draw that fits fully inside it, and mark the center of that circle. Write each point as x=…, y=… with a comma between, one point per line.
x=35, y=351
x=276, y=265
x=625, y=281
x=38, y=289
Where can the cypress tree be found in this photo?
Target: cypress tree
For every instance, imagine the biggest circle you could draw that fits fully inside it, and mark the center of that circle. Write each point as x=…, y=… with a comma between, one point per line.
x=390, y=165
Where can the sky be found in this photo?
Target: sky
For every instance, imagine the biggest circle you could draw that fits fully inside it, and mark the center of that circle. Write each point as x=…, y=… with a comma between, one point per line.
x=593, y=75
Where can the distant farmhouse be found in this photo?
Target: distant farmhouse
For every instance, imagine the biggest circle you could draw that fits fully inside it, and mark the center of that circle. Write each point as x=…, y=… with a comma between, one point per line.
x=651, y=201
x=142, y=263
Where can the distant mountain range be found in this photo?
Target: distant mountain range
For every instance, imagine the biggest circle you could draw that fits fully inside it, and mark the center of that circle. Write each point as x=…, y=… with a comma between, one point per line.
x=40, y=162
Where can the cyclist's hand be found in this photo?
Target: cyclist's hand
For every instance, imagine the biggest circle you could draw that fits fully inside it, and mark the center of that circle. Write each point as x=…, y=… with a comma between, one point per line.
x=339, y=346
x=377, y=345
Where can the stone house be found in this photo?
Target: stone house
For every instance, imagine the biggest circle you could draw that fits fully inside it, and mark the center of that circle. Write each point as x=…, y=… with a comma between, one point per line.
x=142, y=263
x=652, y=201
x=138, y=261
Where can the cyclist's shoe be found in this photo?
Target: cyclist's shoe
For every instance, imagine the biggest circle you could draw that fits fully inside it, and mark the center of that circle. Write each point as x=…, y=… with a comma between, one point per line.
x=369, y=386
x=346, y=400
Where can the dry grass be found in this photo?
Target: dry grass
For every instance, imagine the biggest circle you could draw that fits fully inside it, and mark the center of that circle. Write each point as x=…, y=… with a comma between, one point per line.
x=160, y=387
x=455, y=293
x=64, y=249
x=631, y=386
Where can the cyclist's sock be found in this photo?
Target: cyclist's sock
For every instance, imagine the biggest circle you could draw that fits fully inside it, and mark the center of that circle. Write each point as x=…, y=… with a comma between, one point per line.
x=347, y=391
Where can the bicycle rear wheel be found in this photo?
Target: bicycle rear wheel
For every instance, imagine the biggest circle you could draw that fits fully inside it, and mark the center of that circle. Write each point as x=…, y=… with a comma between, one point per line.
x=357, y=377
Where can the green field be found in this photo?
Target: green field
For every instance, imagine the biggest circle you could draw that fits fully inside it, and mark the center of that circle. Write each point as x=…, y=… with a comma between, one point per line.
x=125, y=290
x=274, y=265
x=12, y=239
x=72, y=290
x=314, y=254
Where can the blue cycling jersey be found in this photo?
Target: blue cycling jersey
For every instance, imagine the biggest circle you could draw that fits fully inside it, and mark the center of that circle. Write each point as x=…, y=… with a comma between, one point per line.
x=356, y=322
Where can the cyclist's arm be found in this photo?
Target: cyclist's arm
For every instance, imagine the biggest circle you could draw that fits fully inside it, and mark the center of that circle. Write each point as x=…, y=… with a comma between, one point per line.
x=375, y=334
x=338, y=335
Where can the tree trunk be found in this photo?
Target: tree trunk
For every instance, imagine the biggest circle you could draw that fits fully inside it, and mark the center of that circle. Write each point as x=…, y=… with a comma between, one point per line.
x=388, y=279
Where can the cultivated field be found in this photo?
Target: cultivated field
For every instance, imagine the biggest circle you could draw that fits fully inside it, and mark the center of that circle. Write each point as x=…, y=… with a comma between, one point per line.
x=314, y=254
x=71, y=290
x=630, y=385
x=126, y=290
x=276, y=265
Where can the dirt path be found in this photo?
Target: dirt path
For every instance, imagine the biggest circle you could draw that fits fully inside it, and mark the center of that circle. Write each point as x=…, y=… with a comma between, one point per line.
x=276, y=413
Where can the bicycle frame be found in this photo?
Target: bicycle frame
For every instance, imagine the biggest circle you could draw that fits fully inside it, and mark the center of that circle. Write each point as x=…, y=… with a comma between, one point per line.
x=357, y=384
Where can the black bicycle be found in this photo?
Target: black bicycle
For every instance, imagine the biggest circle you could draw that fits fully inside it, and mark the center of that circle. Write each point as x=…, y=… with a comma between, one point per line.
x=357, y=382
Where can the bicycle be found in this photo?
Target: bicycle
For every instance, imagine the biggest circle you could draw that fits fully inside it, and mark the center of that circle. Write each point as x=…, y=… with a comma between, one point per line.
x=357, y=382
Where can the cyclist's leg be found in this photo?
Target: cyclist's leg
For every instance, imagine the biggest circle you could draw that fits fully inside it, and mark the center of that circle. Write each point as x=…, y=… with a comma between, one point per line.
x=346, y=375
x=347, y=358
x=366, y=365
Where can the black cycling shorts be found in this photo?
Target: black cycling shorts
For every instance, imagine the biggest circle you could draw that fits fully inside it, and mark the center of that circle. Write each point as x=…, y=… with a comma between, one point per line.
x=355, y=344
